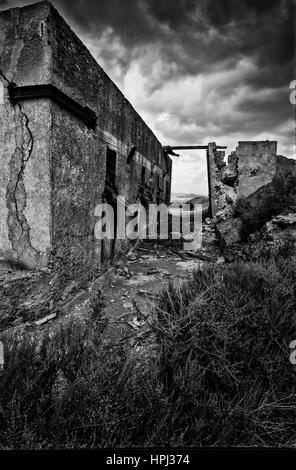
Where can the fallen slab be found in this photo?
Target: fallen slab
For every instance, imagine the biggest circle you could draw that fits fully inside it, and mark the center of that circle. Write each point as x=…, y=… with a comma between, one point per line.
x=45, y=319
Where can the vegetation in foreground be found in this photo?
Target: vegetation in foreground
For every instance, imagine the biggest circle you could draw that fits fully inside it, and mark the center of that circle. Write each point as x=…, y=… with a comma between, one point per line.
x=217, y=372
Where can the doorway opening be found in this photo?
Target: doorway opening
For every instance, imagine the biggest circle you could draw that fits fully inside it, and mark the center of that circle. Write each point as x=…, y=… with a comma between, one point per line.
x=208, y=198
x=109, y=196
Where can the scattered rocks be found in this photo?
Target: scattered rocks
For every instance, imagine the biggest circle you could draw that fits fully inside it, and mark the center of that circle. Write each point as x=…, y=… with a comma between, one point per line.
x=190, y=265
x=128, y=305
x=69, y=289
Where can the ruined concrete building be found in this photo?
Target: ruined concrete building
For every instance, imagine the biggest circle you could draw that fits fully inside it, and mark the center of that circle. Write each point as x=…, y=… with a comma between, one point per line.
x=68, y=141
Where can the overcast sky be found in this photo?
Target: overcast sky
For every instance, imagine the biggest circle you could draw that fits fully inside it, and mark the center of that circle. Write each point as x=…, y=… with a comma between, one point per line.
x=197, y=71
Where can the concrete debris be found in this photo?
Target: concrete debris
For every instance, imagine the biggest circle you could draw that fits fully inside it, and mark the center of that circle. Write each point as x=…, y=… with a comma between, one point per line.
x=45, y=319
x=132, y=325
x=144, y=249
x=138, y=323
x=128, y=305
x=146, y=292
x=175, y=252
x=201, y=256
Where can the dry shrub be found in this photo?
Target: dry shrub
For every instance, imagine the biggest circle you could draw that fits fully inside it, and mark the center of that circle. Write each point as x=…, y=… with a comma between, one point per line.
x=224, y=341
x=218, y=372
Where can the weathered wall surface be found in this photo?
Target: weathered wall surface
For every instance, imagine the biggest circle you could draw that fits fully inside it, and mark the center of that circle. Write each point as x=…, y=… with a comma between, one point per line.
x=52, y=165
x=251, y=166
x=24, y=140
x=25, y=57
x=77, y=183
x=256, y=165
x=76, y=72
x=79, y=154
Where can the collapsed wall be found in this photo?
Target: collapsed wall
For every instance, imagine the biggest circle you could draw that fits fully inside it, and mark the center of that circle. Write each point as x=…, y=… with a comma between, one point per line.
x=251, y=166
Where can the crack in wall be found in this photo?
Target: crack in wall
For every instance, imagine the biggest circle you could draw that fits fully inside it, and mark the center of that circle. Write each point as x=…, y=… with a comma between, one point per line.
x=19, y=229
x=26, y=154
x=4, y=77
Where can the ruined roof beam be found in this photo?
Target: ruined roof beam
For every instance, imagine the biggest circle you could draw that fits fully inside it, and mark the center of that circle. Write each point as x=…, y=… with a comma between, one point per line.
x=192, y=147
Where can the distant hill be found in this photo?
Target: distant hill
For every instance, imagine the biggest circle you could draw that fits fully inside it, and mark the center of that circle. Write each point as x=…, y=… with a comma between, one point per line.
x=204, y=200
x=183, y=198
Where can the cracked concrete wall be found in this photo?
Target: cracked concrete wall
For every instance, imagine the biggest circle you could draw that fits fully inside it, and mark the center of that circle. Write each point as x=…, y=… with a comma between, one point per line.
x=78, y=186
x=24, y=141
x=52, y=166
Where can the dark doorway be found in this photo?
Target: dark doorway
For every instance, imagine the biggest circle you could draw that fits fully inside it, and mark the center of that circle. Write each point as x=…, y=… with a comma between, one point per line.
x=110, y=197
x=111, y=168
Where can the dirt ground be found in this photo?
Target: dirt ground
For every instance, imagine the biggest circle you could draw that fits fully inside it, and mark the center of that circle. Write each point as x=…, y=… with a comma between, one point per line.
x=130, y=287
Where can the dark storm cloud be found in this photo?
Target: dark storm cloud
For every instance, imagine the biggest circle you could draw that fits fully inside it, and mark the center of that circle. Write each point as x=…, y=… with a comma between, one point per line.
x=264, y=27
x=224, y=12
x=203, y=37
x=252, y=40
x=128, y=18
x=198, y=35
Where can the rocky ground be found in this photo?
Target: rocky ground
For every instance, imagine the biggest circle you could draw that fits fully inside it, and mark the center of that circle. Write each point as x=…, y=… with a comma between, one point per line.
x=31, y=301
x=128, y=287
